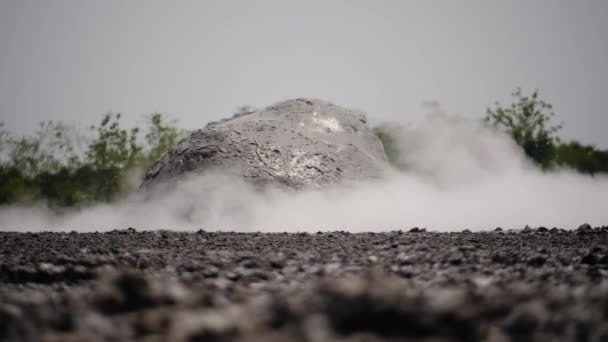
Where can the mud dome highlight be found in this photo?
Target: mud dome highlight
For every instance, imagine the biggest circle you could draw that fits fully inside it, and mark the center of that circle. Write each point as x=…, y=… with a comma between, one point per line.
x=455, y=174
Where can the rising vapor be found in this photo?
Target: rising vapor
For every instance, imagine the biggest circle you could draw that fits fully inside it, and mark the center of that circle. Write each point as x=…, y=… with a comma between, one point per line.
x=453, y=174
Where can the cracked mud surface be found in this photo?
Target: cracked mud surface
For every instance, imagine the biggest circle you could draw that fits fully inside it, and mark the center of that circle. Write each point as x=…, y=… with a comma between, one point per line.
x=293, y=144
x=531, y=285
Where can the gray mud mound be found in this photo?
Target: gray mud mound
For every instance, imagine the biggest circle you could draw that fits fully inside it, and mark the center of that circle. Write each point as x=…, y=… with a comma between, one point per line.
x=296, y=144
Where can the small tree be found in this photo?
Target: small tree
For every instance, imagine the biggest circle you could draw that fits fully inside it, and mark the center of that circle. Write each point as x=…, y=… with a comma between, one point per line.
x=527, y=120
x=162, y=135
x=49, y=166
x=51, y=147
x=114, y=147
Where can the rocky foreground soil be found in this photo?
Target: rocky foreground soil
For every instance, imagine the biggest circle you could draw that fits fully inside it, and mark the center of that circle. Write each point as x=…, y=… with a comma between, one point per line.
x=531, y=285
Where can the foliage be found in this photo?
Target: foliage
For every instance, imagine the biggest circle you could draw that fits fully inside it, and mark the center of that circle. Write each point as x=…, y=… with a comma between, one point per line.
x=387, y=138
x=4, y=136
x=14, y=185
x=527, y=120
x=57, y=166
x=583, y=158
x=161, y=136
x=48, y=149
x=114, y=148
x=49, y=165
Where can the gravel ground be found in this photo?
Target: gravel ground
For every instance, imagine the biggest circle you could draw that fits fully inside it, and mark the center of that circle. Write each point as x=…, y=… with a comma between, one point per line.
x=531, y=285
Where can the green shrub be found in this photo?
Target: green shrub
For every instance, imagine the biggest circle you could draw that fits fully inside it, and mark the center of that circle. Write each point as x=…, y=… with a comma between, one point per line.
x=527, y=120
x=114, y=147
x=161, y=135
x=583, y=158
x=47, y=166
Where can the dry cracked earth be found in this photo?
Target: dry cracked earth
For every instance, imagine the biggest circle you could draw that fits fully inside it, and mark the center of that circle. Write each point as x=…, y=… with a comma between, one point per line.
x=529, y=285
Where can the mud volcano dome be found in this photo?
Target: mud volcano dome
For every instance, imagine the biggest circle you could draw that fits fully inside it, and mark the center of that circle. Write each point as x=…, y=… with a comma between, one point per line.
x=296, y=144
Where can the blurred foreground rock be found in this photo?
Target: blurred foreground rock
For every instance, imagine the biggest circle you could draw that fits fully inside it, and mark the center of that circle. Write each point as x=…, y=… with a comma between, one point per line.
x=533, y=285
x=295, y=144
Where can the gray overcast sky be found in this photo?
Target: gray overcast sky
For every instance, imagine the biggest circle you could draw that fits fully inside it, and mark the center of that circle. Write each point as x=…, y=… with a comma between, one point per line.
x=199, y=60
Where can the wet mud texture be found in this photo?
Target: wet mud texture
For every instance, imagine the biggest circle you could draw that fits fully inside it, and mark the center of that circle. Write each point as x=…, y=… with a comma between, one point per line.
x=293, y=144
x=532, y=285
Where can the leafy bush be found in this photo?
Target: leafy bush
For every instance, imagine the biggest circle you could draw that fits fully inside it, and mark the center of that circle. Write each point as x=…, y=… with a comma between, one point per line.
x=52, y=165
x=113, y=147
x=51, y=147
x=583, y=158
x=527, y=120
x=160, y=137
x=59, y=167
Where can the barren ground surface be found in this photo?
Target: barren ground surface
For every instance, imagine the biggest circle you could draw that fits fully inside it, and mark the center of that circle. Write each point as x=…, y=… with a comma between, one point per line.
x=531, y=285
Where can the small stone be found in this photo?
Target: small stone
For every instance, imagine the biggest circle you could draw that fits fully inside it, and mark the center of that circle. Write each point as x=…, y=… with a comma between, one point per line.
x=331, y=268
x=524, y=320
x=232, y=276
x=406, y=271
x=537, y=261
x=499, y=257
x=131, y=291
x=11, y=327
x=584, y=228
x=249, y=263
x=589, y=259
x=455, y=261
x=405, y=259
x=211, y=272
x=205, y=326
x=259, y=275
x=277, y=260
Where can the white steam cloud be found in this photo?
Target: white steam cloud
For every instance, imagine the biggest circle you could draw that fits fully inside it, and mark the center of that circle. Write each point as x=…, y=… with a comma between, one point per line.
x=458, y=175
